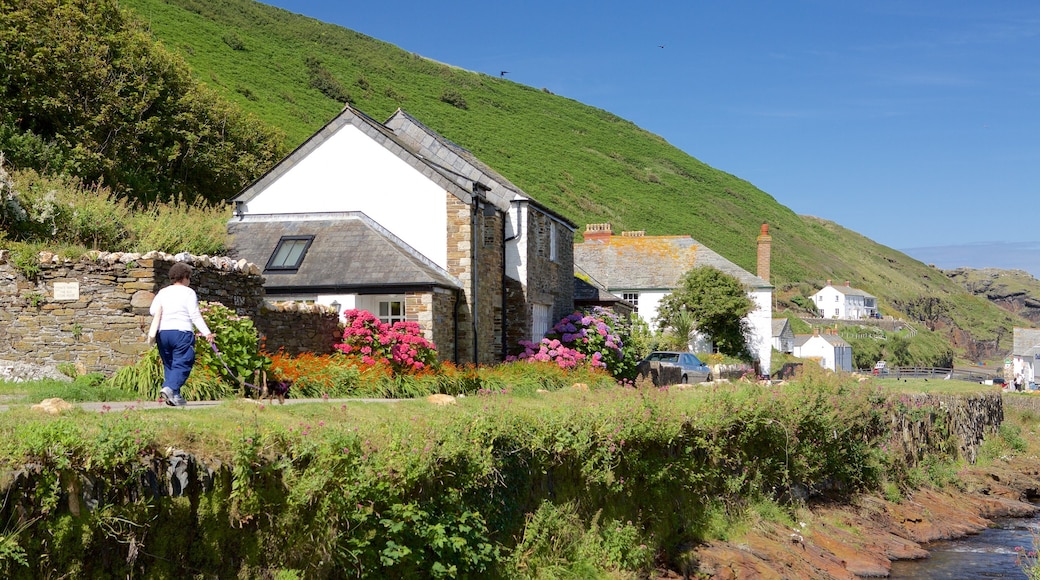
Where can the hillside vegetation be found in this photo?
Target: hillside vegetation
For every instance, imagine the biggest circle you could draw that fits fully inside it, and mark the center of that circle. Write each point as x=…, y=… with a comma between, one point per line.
x=294, y=73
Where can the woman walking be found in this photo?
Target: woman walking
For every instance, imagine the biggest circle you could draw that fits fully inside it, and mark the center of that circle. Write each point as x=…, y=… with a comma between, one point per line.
x=177, y=307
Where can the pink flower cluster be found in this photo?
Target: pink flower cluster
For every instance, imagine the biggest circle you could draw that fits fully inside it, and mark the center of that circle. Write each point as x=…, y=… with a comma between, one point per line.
x=579, y=338
x=400, y=345
x=552, y=350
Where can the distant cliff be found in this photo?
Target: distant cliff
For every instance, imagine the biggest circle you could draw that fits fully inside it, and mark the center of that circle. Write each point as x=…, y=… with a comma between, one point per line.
x=1016, y=291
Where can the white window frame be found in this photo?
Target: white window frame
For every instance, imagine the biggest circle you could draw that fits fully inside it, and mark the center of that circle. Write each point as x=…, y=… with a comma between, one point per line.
x=390, y=317
x=632, y=298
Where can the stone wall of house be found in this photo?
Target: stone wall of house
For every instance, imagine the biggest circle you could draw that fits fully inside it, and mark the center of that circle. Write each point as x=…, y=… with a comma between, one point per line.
x=434, y=312
x=550, y=274
x=93, y=311
x=483, y=257
x=295, y=328
x=518, y=316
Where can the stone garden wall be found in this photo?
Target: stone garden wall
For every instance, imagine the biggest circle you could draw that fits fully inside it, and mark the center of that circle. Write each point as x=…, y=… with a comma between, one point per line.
x=92, y=312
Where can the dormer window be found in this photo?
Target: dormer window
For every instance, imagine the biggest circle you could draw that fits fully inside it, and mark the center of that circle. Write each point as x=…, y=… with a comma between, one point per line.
x=289, y=253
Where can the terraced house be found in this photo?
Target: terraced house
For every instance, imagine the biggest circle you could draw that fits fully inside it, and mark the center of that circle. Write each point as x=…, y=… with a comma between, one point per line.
x=397, y=220
x=644, y=269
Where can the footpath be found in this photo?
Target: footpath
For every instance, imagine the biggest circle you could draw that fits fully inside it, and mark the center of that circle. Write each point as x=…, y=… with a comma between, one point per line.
x=109, y=406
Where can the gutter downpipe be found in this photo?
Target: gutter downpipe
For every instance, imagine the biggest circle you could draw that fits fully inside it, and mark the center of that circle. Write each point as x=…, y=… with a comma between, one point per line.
x=505, y=318
x=475, y=287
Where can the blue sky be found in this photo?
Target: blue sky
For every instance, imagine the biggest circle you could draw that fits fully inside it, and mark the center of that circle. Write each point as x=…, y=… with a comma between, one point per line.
x=914, y=123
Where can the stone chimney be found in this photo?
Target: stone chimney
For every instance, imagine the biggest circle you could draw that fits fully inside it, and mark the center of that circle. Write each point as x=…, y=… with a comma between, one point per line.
x=848, y=283
x=765, y=249
x=597, y=232
x=634, y=234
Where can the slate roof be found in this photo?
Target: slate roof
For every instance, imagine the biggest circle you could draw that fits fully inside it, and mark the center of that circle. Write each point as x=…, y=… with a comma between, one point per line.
x=652, y=262
x=850, y=291
x=461, y=162
x=1026, y=342
x=780, y=325
x=589, y=291
x=379, y=133
x=350, y=253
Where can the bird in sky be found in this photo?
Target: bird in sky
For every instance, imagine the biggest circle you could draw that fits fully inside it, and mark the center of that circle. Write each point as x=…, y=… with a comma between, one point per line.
x=503, y=73
x=660, y=46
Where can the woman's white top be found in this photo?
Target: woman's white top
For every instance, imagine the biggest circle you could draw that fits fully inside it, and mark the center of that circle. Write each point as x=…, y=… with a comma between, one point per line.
x=180, y=309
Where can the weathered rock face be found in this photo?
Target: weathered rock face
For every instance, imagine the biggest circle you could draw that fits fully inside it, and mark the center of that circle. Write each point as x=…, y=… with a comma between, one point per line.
x=1016, y=291
x=862, y=539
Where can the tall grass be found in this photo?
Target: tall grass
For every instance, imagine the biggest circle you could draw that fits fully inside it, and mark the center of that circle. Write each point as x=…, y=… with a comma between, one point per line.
x=58, y=212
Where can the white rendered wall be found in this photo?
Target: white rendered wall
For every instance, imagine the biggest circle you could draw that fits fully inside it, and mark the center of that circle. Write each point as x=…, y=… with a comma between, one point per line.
x=516, y=249
x=760, y=319
x=761, y=322
x=817, y=348
x=351, y=172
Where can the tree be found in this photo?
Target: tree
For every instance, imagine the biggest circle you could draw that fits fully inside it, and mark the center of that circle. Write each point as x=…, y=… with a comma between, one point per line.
x=84, y=90
x=718, y=304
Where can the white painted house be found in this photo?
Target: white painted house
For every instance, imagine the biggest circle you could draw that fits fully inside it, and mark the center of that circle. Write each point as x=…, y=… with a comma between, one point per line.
x=644, y=269
x=395, y=219
x=1025, y=356
x=830, y=350
x=844, y=302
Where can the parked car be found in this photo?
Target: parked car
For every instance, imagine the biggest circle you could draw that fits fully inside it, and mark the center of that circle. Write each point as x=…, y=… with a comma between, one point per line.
x=693, y=370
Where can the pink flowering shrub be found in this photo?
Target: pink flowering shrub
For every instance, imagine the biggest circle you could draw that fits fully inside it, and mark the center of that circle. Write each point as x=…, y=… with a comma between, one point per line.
x=401, y=345
x=593, y=338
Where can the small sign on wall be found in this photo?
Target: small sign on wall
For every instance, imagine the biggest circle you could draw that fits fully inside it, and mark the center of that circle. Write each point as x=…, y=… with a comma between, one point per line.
x=66, y=290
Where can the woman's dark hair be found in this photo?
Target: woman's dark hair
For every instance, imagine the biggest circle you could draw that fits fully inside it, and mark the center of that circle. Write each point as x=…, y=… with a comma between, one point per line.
x=179, y=271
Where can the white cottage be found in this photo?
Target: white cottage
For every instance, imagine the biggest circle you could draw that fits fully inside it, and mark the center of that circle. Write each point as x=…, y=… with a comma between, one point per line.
x=830, y=350
x=1025, y=356
x=644, y=269
x=844, y=302
x=395, y=219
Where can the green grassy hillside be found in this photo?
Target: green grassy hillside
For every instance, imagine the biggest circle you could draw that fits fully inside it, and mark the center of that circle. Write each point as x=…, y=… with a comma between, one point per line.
x=588, y=164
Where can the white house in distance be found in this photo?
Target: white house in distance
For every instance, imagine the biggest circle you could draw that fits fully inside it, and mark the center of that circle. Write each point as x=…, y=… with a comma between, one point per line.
x=783, y=336
x=1025, y=355
x=844, y=302
x=830, y=350
x=644, y=269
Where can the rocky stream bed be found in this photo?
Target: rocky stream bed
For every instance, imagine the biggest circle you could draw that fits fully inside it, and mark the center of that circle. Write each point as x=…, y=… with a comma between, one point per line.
x=862, y=538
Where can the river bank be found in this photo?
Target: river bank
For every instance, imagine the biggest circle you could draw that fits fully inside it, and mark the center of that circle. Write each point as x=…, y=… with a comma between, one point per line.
x=863, y=538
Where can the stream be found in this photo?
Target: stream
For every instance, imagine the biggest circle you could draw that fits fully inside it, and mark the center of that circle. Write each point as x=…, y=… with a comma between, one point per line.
x=988, y=554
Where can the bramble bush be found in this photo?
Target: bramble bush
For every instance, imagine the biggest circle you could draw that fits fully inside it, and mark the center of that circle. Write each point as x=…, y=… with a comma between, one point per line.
x=595, y=338
x=400, y=345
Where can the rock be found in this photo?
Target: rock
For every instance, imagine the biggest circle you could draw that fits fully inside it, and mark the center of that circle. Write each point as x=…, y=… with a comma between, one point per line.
x=15, y=371
x=441, y=399
x=55, y=406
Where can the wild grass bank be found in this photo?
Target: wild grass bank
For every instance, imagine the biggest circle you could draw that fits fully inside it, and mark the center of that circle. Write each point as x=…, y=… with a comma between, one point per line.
x=605, y=482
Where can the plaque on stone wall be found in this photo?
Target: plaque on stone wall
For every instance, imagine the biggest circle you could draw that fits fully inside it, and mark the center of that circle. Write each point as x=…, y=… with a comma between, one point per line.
x=66, y=290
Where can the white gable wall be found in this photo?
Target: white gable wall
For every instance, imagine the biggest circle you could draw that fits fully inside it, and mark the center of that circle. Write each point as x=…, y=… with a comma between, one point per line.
x=516, y=247
x=351, y=172
x=760, y=320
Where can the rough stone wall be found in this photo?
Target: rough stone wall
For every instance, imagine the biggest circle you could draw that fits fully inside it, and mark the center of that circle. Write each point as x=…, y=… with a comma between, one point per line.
x=967, y=418
x=296, y=328
x=93, y=311
x=487, y=266
x=434, y=313
x=550, y=281
x=518, y=316
x=490, y=275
